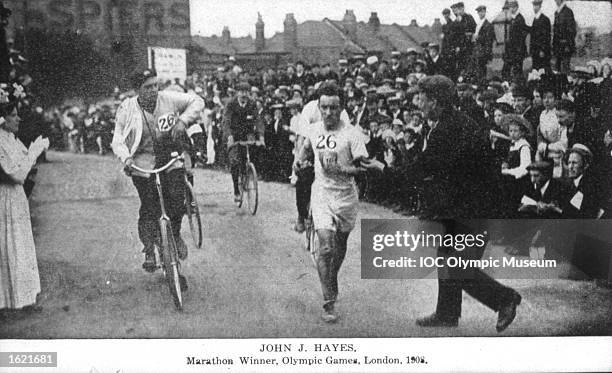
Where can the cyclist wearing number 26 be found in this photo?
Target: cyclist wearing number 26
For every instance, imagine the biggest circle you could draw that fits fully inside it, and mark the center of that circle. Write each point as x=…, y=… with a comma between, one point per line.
x=241, y=122
x=148, y=129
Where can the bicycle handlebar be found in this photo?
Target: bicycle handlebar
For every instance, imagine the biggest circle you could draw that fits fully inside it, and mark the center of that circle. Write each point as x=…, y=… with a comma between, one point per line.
x=161, y=169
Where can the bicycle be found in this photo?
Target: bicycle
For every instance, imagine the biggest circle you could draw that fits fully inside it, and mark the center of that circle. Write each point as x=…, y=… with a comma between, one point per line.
x=248, y=179
x=169, y=255
x=193, y=213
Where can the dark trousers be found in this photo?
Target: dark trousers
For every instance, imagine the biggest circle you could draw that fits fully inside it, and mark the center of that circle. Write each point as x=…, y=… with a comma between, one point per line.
x=512, y=69
x=480, y=70
x=173, y=189
x=303, y=187
x=451, y=281
x=562, y=64
x=237, y=159
x=538, y=62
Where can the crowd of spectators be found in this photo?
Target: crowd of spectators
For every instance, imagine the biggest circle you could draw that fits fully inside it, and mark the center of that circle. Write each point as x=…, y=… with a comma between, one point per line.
x=546, y=120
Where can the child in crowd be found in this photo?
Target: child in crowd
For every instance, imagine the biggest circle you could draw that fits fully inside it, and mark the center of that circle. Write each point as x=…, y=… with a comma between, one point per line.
x=549, y=130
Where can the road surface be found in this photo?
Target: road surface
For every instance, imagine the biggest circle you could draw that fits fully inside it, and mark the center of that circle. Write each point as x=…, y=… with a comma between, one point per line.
x=252, y=279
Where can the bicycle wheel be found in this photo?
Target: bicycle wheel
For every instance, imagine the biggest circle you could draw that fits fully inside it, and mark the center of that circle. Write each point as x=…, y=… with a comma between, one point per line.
x=312, y=243
x=250, y=184
x=193, y=215
x=170, y=262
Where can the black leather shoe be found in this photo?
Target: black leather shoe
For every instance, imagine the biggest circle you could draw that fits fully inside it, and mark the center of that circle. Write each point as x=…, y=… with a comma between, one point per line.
x=149, y=264
x=507, y=313
x=434, y=320
x=181, y=248
x=183, y=283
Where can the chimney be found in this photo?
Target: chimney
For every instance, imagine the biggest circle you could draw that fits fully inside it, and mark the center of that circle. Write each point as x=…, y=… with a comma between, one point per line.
x=290, y=41
x=350, y=23
x=259, y=34
x=436, y=27
x=414, y=23
x=374, y=22
x=225, y=35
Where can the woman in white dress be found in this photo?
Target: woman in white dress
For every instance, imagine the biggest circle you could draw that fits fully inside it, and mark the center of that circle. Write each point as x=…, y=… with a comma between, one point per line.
x=19, y=281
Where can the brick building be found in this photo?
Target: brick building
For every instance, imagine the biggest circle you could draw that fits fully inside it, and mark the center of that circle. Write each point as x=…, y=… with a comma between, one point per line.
x=312, y=41
x=122, y=29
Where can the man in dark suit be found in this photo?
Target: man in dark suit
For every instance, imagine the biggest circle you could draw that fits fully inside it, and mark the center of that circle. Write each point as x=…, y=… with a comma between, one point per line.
x=278, y=145
x=240, y=123
x=457, y=159
x=516, y=48
x=5, y=63
x=466, y=27
x=544, y=196
x=450, y=41
x=585, y=198
x=462, y=172
x=436, y=64
x=483, y=46
x=564, y=35
x=539, y=45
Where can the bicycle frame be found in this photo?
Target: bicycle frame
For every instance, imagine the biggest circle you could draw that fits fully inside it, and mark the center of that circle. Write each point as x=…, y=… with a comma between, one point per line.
x=157, y=172
x=168, y=244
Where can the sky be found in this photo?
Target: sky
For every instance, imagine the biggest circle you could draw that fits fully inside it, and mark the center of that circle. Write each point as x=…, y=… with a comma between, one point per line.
x=208, y=17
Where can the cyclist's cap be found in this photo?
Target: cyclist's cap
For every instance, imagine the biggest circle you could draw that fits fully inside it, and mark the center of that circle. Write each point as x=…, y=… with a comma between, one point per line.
x=283, y=88
x=140, y=76
x=243, y=86
x=277, y=106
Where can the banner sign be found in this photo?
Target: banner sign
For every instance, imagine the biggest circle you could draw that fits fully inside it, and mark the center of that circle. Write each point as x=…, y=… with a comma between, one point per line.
x=169, y=63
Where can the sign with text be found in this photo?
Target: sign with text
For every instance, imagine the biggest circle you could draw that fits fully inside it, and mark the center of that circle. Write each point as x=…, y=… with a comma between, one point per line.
x=147, y=18
x=510, y=249
x=169, y=63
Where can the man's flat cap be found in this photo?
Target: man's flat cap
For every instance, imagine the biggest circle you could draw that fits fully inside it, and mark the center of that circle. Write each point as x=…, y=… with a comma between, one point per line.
x=481, y=7
x=540, y=166
x=583, y=150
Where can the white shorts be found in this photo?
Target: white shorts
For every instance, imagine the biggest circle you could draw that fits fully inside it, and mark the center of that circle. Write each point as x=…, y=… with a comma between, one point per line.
x=334, y=210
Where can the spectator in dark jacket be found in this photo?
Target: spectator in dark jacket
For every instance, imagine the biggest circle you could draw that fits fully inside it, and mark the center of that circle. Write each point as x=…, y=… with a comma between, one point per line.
x=516, y=49
x=564, y=35
x=483, y=46
x=5, y=64
x=539, y=45
x=585, y=198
